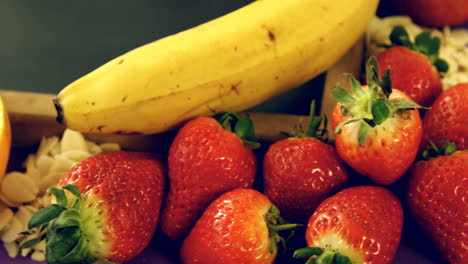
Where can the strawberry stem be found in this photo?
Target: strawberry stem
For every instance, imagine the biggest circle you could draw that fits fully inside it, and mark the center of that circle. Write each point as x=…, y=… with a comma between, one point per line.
x=243, y=127
x=275, y=225
x=317, y=126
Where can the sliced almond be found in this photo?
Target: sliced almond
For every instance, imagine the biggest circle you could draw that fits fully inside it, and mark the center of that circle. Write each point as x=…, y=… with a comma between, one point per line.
x=25, y=251
x=41, y=246
x=8, y=202
x=38, y=256
x=72, y=140
x=31, y=169
x=49, y=180
x=43, y=163
x=47, y=145
x=6, y=214
x=31, y=208
x=23, y=215
x=76, y=155
x=93, y=148
x=11, y=233
x=18, y=187
x=108, y=147
x=11, y=249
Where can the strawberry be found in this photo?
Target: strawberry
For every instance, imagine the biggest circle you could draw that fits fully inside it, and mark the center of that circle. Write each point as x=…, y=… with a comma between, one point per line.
x=411, y=64
x=108, y=214
x=378, y=131
x=357, y=225
x=436, y=197
x=301, y=171
x=240, y=227
x=446, y=120
x=206, y=160
x=434, y=13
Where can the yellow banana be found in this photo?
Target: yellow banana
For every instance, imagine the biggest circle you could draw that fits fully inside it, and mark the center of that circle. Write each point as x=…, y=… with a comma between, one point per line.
x=228, y=64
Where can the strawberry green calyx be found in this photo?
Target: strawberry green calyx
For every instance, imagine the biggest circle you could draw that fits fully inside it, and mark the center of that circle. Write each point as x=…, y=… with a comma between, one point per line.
x=370, y=107
x=423, y=43
x=243, y=127
x=316, y=255
x=432, y=151
x=65, y=230
x=277, y=224
x=317, y=126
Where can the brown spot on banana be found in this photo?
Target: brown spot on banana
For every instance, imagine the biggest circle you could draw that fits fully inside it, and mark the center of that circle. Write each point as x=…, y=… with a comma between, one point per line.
x=271, y=36
x=234, y=87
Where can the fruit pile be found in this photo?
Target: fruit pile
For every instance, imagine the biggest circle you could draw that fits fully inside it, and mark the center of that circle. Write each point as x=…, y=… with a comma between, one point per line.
x=109, y=205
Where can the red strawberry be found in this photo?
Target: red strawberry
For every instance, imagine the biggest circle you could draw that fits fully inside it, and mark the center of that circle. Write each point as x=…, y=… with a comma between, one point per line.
x=114, y=217
x=301, y=171
x=434, y=13
x=377, y=133
x=446, y=120
x=357, y=225
x=205, y=160
x=240, y=227
x=436, y=197
x=411, y=66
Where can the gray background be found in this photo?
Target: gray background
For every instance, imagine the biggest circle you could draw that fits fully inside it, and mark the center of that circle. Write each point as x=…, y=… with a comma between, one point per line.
x=45, y=45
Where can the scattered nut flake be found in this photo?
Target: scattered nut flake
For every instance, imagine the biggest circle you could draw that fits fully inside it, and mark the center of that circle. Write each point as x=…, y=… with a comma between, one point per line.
x=23, y=193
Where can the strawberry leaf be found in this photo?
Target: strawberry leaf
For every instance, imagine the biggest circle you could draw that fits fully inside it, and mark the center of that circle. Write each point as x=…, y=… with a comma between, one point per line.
x=326, y=257
x=432, y=151
x=342, y=96
x=427, y=45
x=405, y=104
x=72, y=189
x=340, y=125
x=79, y=253
x=356, y=87
x=340, y=259
x=372, y=73
x=314, y=122
x=345, y=111
x=244, y=129
x=380, y=111
x=441, y=65
x=45, y=215
x=399, y=37
x=68, y=218
x=60, y=196
x=305, y=253
x=60, y=242
x=276, y=224
x=386, y=83
x=31, y=243
x=364, y=130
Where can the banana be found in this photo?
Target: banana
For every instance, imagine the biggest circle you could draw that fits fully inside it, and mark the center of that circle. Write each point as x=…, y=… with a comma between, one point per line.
x=225, y=65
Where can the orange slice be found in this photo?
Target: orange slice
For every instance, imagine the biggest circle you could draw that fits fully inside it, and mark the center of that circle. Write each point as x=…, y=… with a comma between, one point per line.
x=5, y=138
